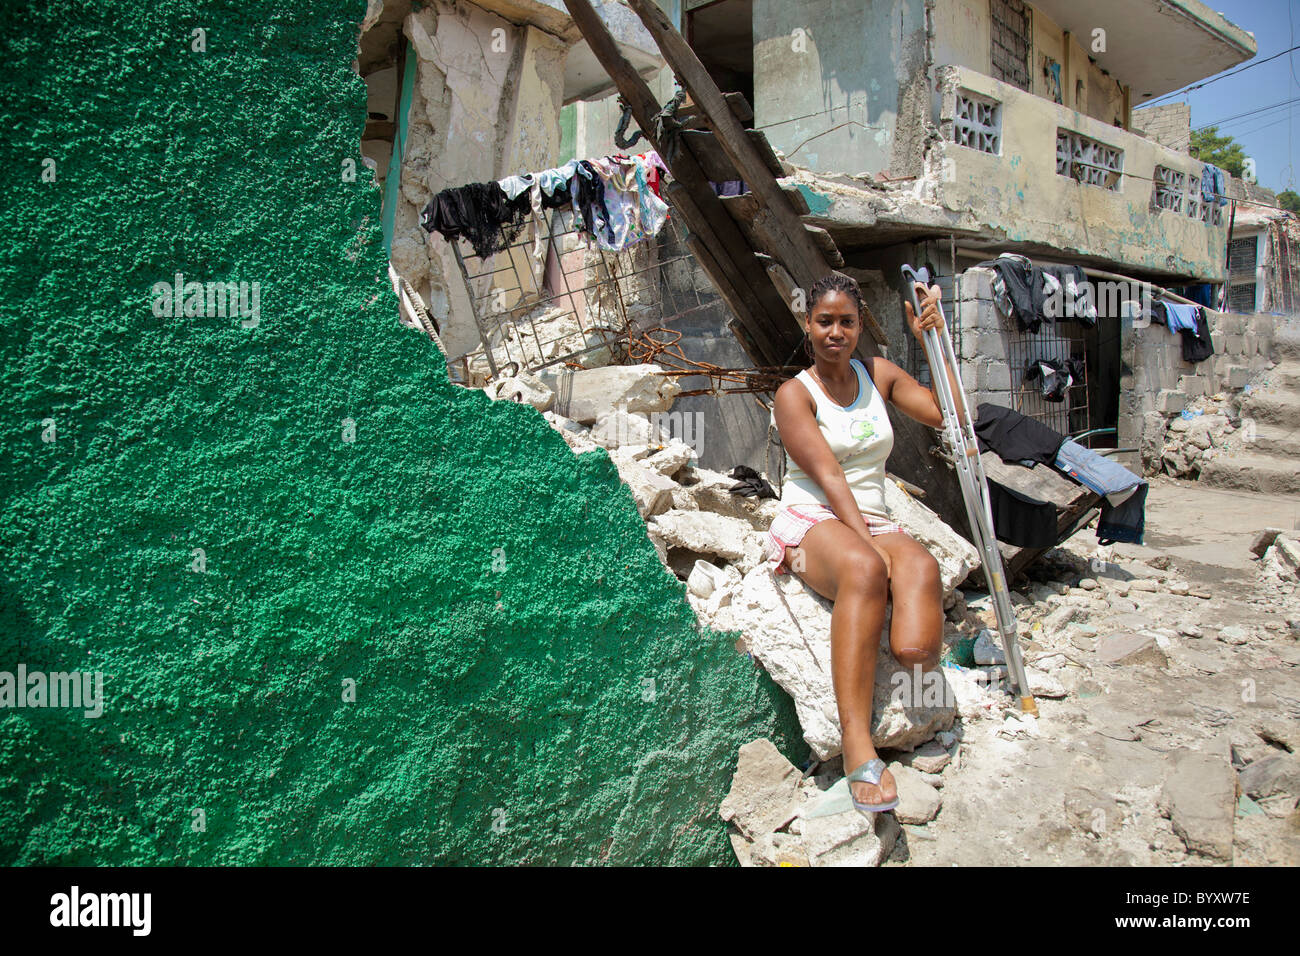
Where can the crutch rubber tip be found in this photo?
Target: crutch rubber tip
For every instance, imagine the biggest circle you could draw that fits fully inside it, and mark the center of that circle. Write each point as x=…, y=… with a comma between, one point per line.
x=1028, y=706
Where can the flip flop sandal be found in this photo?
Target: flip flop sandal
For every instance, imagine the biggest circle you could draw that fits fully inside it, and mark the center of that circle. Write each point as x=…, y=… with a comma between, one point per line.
x=870, y=772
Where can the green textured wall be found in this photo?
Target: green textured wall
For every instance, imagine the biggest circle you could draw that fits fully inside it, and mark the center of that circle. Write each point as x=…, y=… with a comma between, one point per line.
x=519, y=687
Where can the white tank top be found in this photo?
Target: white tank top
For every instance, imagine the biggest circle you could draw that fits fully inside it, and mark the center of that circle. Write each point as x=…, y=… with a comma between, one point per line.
x=860, y=437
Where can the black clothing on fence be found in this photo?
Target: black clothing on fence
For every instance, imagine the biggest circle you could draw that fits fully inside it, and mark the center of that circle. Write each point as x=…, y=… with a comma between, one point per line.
x=478, y=212
x=1057, y=376
x=1015, y=437
x=1020, y=520
x=1197, y=346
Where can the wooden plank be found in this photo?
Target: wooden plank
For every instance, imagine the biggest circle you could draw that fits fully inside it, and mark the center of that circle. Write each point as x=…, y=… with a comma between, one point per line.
x=692, y=118
x=803, y=259
x=765, y=152
x=826, y=244
x=704, y=213
x=704, y=146
x=745, y=205
x=740, y=274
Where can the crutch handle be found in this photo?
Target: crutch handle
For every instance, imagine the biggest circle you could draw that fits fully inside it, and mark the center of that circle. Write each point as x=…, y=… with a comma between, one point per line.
x=911, y=279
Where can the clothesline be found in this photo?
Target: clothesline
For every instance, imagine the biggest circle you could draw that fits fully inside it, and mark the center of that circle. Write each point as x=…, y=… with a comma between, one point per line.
x=615, y=201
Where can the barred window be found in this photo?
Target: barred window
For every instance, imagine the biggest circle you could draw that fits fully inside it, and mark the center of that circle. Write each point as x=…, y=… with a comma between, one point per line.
x=1241, y=297
x=1088, y=160
x=978, y=123
x=1009, y=35
x=1167, y=189
x=1242, y=255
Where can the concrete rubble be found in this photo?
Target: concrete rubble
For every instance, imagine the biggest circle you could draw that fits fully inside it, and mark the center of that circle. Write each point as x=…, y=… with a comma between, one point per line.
x=1143, y=751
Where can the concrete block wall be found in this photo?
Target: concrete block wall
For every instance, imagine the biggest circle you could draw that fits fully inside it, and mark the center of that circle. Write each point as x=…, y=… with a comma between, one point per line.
x=1156, y=379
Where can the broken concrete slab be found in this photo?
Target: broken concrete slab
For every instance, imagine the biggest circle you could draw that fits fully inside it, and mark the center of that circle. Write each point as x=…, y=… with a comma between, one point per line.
x=586, y=394
x=621, y=428
x=1200, y=799
x=731, y=539
x=1124, y=647
x=956, y=556
x=706, y=490
x=652, y=492
x=764, y=793
x=849, y=839
x=1271, y=776
x=930, y=757
x=523, y=388
x=918, y=801
x=1263, y=541
x=787, y=629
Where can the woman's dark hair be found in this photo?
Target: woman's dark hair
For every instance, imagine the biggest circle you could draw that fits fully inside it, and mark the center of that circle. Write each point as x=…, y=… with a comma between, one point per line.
x=832, y=282
x=836, y=282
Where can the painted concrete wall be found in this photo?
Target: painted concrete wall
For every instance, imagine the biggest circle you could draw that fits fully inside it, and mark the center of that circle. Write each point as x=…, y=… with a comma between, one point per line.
x=494, y=597
x=1020, y=192
x=847, y=94
x=962, y=38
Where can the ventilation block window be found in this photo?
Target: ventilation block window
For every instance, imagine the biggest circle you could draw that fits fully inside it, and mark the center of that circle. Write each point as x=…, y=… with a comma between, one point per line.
x=978, y=123
x=1087, y=160
x=1168, y=189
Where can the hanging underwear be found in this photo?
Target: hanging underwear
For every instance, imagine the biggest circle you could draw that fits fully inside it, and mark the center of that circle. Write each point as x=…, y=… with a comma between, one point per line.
x=480, y=213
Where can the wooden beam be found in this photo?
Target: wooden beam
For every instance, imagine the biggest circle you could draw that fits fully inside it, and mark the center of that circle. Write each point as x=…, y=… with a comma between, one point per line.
x=804, y=259
x=730, y=250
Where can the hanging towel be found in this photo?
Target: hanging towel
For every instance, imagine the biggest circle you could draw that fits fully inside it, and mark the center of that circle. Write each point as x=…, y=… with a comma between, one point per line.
x=1179, y=315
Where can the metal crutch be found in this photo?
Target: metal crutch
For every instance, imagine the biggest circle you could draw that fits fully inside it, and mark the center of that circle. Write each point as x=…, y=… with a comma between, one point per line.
x=974, y=487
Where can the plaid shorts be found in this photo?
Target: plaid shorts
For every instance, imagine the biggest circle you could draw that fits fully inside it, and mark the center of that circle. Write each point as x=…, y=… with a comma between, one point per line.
x=792, y=523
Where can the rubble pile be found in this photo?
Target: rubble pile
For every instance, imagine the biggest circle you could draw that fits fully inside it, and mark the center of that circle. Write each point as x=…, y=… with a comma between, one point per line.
x=1181, y=444
x=1109, y=772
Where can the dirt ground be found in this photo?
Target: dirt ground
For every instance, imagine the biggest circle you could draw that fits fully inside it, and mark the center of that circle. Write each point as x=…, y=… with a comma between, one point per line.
x=1142, y=757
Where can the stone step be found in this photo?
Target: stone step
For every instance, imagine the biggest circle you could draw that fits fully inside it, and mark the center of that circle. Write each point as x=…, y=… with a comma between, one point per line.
x=1273, y=406
x=1286, y=375
x=1280, y=441
x=1252, y=472
x=1286, y=344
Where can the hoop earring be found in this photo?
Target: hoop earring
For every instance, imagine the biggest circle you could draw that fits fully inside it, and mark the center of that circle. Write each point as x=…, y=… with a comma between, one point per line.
x=807, y=347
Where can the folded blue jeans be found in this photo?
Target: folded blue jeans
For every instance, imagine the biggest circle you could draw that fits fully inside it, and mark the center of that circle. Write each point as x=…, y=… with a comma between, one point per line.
x=1123, y=522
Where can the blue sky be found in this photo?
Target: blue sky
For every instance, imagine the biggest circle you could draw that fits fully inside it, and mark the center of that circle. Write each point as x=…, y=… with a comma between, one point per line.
x=1270, y=136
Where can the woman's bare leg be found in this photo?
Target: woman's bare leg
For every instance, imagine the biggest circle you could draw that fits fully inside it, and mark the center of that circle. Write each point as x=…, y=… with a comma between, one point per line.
x=841, y=567
x=916, y=627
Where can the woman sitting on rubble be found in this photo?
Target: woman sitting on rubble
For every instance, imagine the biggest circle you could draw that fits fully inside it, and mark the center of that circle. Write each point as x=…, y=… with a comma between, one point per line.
x=834, y=530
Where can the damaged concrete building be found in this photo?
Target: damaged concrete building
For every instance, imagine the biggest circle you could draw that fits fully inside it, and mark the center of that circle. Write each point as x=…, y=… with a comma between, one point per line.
x=935, y=132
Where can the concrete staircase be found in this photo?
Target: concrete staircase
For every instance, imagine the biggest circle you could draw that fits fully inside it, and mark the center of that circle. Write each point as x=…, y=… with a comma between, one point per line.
x=1267, y=457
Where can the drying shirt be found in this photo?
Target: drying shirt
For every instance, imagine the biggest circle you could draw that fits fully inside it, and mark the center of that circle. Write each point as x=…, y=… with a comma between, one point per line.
x=861, y=438
x=1197, y=344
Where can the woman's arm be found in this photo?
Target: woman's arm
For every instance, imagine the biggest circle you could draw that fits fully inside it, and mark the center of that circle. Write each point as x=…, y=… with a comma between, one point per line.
x=902, y=390
x=796, y=421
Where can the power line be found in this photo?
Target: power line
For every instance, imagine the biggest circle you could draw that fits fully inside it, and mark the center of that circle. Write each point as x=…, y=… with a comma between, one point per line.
x=1216, y=79
x=1261, y=109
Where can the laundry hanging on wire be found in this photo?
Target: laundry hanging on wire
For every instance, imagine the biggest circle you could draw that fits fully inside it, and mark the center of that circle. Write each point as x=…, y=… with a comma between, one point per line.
x=616, y=202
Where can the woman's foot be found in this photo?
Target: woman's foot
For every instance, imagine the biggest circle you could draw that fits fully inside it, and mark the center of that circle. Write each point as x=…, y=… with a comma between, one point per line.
x=863, y=792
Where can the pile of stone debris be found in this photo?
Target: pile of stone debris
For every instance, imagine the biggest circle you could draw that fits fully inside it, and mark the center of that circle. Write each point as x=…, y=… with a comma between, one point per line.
x=1181, y=444
x=1078, y=618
